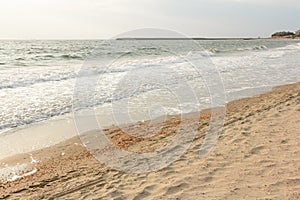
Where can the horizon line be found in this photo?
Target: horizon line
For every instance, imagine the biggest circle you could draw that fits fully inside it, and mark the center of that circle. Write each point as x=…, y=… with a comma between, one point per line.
x=141, y=38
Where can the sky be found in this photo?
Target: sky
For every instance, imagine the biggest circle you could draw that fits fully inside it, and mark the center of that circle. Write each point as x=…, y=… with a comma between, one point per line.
x=104, y=19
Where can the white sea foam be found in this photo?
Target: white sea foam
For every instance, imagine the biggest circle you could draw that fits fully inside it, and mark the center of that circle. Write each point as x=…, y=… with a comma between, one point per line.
x=16, y=177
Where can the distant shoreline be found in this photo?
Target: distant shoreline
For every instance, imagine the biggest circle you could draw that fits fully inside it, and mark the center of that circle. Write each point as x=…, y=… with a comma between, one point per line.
x=140, y=38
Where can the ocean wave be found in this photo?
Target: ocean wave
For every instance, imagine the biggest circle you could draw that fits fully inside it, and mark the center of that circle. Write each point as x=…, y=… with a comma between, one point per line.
x=57, y=78
x=54, y=80
x=148, y=48
x=26, y=83
x=200, y=54
x=21, y=64
x=254, y=48
x=49, y=56
x=260, y=47
x=291, y=47
x=214, y=50
x=81, y=104
x=20, y=59
x=30, y=120
x=130, y=64
x=44, y=57
x=69, y=56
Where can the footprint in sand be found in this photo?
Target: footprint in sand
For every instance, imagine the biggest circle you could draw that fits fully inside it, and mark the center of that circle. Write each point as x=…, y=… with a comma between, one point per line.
x=176, y=189
x=257, y=150
x=147, y=191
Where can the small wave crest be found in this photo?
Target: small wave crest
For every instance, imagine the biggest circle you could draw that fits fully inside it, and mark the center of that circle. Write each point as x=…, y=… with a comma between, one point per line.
x=259, y=47
x=49, y=56
x=148, y=48
x=213, y=51
x=69, y=56
x=291, y=47
x=20, y=59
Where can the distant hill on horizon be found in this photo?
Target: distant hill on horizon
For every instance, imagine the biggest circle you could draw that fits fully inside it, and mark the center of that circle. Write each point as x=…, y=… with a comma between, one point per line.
x=286, y=34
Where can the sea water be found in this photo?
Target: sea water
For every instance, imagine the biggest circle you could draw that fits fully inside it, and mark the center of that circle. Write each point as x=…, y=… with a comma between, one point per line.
x=38, y=79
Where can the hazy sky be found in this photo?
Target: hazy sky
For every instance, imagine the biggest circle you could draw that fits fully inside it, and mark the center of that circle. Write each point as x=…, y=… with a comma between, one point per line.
x=95, y=19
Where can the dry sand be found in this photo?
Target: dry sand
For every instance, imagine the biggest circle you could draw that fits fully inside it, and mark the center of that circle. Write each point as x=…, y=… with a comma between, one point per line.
x=256, y=157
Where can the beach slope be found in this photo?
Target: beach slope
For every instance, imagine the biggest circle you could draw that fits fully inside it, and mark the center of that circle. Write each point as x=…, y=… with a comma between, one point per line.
x=256, y=157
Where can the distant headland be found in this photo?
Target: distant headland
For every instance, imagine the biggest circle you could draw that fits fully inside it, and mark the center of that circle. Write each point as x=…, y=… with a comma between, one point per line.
x=283, y=35
x=287, y=34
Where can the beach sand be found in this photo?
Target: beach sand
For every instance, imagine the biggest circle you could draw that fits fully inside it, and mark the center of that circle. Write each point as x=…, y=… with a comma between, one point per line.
x=256, y=157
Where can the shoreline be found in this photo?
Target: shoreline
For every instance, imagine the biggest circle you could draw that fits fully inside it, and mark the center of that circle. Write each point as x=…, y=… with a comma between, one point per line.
x=58, y=129
x=213, y=39
x=69, y=163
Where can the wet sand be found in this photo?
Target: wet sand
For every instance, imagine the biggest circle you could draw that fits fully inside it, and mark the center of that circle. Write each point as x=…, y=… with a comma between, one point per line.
x=256, y=157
